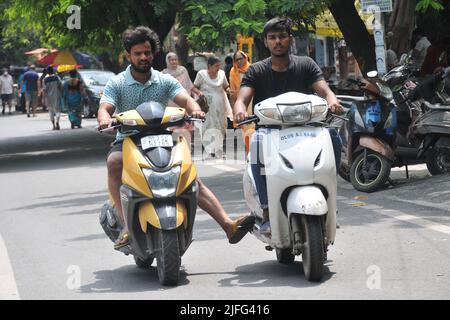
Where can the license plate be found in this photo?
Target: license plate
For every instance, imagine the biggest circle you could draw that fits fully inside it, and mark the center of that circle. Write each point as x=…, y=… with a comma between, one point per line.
x=156, y=141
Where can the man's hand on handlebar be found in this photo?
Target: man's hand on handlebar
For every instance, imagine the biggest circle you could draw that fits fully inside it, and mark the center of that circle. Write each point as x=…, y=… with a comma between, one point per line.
x=198, y=114
x=336, y=108
x=240, y=116
x=104, y=122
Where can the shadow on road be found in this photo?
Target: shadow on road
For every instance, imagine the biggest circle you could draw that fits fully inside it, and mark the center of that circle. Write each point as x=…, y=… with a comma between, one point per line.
x=129, y=279
x=268, y=274
x=54, y=150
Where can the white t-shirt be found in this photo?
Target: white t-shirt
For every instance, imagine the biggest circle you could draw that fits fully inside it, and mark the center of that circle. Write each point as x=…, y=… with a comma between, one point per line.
x=6, y=84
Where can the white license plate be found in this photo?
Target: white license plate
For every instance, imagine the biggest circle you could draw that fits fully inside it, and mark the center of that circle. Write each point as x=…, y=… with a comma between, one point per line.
x=156, y=141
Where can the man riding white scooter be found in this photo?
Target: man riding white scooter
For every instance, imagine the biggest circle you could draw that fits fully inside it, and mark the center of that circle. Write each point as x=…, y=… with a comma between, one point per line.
x=280, y=73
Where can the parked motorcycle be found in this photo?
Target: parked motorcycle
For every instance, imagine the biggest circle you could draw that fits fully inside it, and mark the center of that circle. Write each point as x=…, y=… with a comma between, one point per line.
x=159, y=189
x=369, y=134
x=418, y=133
x=301, y=180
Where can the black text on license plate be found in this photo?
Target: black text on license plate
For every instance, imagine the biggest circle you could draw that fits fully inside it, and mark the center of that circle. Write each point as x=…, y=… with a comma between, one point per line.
x=156, y=141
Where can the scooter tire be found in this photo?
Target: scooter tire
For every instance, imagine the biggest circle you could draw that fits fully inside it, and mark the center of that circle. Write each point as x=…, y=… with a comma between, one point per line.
x=168, y=259
x=344, y=174
x=285, y=256
x=435, y=163
x=381, y=177
x=143, y=264
x=313, y=255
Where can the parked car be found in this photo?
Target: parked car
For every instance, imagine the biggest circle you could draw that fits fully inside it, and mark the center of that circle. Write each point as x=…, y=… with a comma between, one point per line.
x=94, y=82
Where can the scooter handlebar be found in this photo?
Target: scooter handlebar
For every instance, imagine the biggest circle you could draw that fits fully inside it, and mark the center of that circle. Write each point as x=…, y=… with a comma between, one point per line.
x=248, y=120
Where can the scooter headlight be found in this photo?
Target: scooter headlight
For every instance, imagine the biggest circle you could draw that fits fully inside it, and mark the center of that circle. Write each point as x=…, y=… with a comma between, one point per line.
x=271, y=113
x=163, y=184
x=296, y=113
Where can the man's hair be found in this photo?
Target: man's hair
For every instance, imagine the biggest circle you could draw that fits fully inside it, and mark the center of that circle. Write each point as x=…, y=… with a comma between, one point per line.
x=73, y=73
x=213, y=60
x=50, y=70
x=32, y=67
x=139, y=35
x=228, y=60
x=278, y=24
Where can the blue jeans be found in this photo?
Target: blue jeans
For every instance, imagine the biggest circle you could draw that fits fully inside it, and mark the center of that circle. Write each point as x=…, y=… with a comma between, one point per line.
x=257, y=165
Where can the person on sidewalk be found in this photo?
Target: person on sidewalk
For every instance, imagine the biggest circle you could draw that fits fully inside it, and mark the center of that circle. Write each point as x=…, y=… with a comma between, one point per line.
x=31, y=79
x=6, y=90
x=73, y=94
x=51, y=96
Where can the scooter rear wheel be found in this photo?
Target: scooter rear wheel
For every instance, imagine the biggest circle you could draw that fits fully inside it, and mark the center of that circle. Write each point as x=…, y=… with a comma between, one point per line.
x=372, y=177
x=143, y=264
x=438, y=162
x=285, y=255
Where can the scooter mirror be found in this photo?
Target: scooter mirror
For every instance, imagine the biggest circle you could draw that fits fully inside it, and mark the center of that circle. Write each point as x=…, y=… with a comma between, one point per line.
x=372, y=74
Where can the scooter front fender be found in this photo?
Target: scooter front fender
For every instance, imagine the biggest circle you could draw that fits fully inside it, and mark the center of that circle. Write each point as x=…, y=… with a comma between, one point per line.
x=377, y=145
x=308, y=200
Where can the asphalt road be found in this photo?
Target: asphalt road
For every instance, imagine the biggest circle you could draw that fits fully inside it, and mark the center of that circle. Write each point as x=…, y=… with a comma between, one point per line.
x=393, y=244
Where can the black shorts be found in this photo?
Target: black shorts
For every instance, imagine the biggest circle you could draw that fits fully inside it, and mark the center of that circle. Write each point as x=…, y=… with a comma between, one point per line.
x=6, y=97
x=115, y=147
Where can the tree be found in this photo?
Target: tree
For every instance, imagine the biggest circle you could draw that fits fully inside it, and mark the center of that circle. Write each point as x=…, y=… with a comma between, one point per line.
x=102, y=23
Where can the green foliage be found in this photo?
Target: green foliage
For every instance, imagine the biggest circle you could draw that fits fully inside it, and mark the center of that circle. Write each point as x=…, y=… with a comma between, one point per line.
x=423, y=5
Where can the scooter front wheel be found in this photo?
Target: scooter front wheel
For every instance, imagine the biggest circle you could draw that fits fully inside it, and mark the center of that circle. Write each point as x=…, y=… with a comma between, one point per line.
x=369, y=173
x=313, y=255
x=168, y=258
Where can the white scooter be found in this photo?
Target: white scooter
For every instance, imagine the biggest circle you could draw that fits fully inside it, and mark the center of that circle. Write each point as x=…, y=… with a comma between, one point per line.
x=300, y=171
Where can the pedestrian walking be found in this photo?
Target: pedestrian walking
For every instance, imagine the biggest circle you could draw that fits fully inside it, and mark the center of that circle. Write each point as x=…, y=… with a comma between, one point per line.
x=178, y=72
x=6, y=90
x=181, y=74
x=212, y=83
x=20, y=106
x=51, y=96
x=73, y=93
x=31, y=79
x=240, y=67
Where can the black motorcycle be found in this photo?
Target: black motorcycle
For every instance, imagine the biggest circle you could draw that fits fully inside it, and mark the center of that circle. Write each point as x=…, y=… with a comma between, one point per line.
x=369, y=135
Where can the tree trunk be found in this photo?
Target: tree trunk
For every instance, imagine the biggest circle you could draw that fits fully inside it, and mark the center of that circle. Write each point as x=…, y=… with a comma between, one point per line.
x=356, y=36
x=182, y=48
x=401, y=24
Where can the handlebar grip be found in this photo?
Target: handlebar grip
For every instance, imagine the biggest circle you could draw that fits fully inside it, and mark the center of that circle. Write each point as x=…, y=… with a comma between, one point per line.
x=249, y=120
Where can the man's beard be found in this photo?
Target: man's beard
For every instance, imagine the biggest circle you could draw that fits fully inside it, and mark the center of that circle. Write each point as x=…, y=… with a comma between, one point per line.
x=141, y=69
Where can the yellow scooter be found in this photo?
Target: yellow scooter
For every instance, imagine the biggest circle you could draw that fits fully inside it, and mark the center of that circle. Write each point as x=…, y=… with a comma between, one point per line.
x=159, y=189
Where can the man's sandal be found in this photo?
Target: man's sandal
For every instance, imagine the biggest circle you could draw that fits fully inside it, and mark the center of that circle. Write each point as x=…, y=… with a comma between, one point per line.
x=240, y=228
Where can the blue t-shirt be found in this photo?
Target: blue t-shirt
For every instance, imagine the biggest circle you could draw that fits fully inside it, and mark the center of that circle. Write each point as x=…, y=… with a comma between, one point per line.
x=125, y=93
x=31, y=78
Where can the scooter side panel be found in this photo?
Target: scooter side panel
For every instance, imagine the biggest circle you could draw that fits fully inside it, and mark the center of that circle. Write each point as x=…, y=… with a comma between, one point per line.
x=292, y=143
x=325, y=176
x=132, y=174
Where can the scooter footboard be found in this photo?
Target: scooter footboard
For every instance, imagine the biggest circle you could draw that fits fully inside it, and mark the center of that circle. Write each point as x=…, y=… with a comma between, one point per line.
x=308, y=200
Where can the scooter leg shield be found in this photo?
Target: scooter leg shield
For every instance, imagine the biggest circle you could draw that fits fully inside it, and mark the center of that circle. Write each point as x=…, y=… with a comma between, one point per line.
x=308, y=200
x=165, y=216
